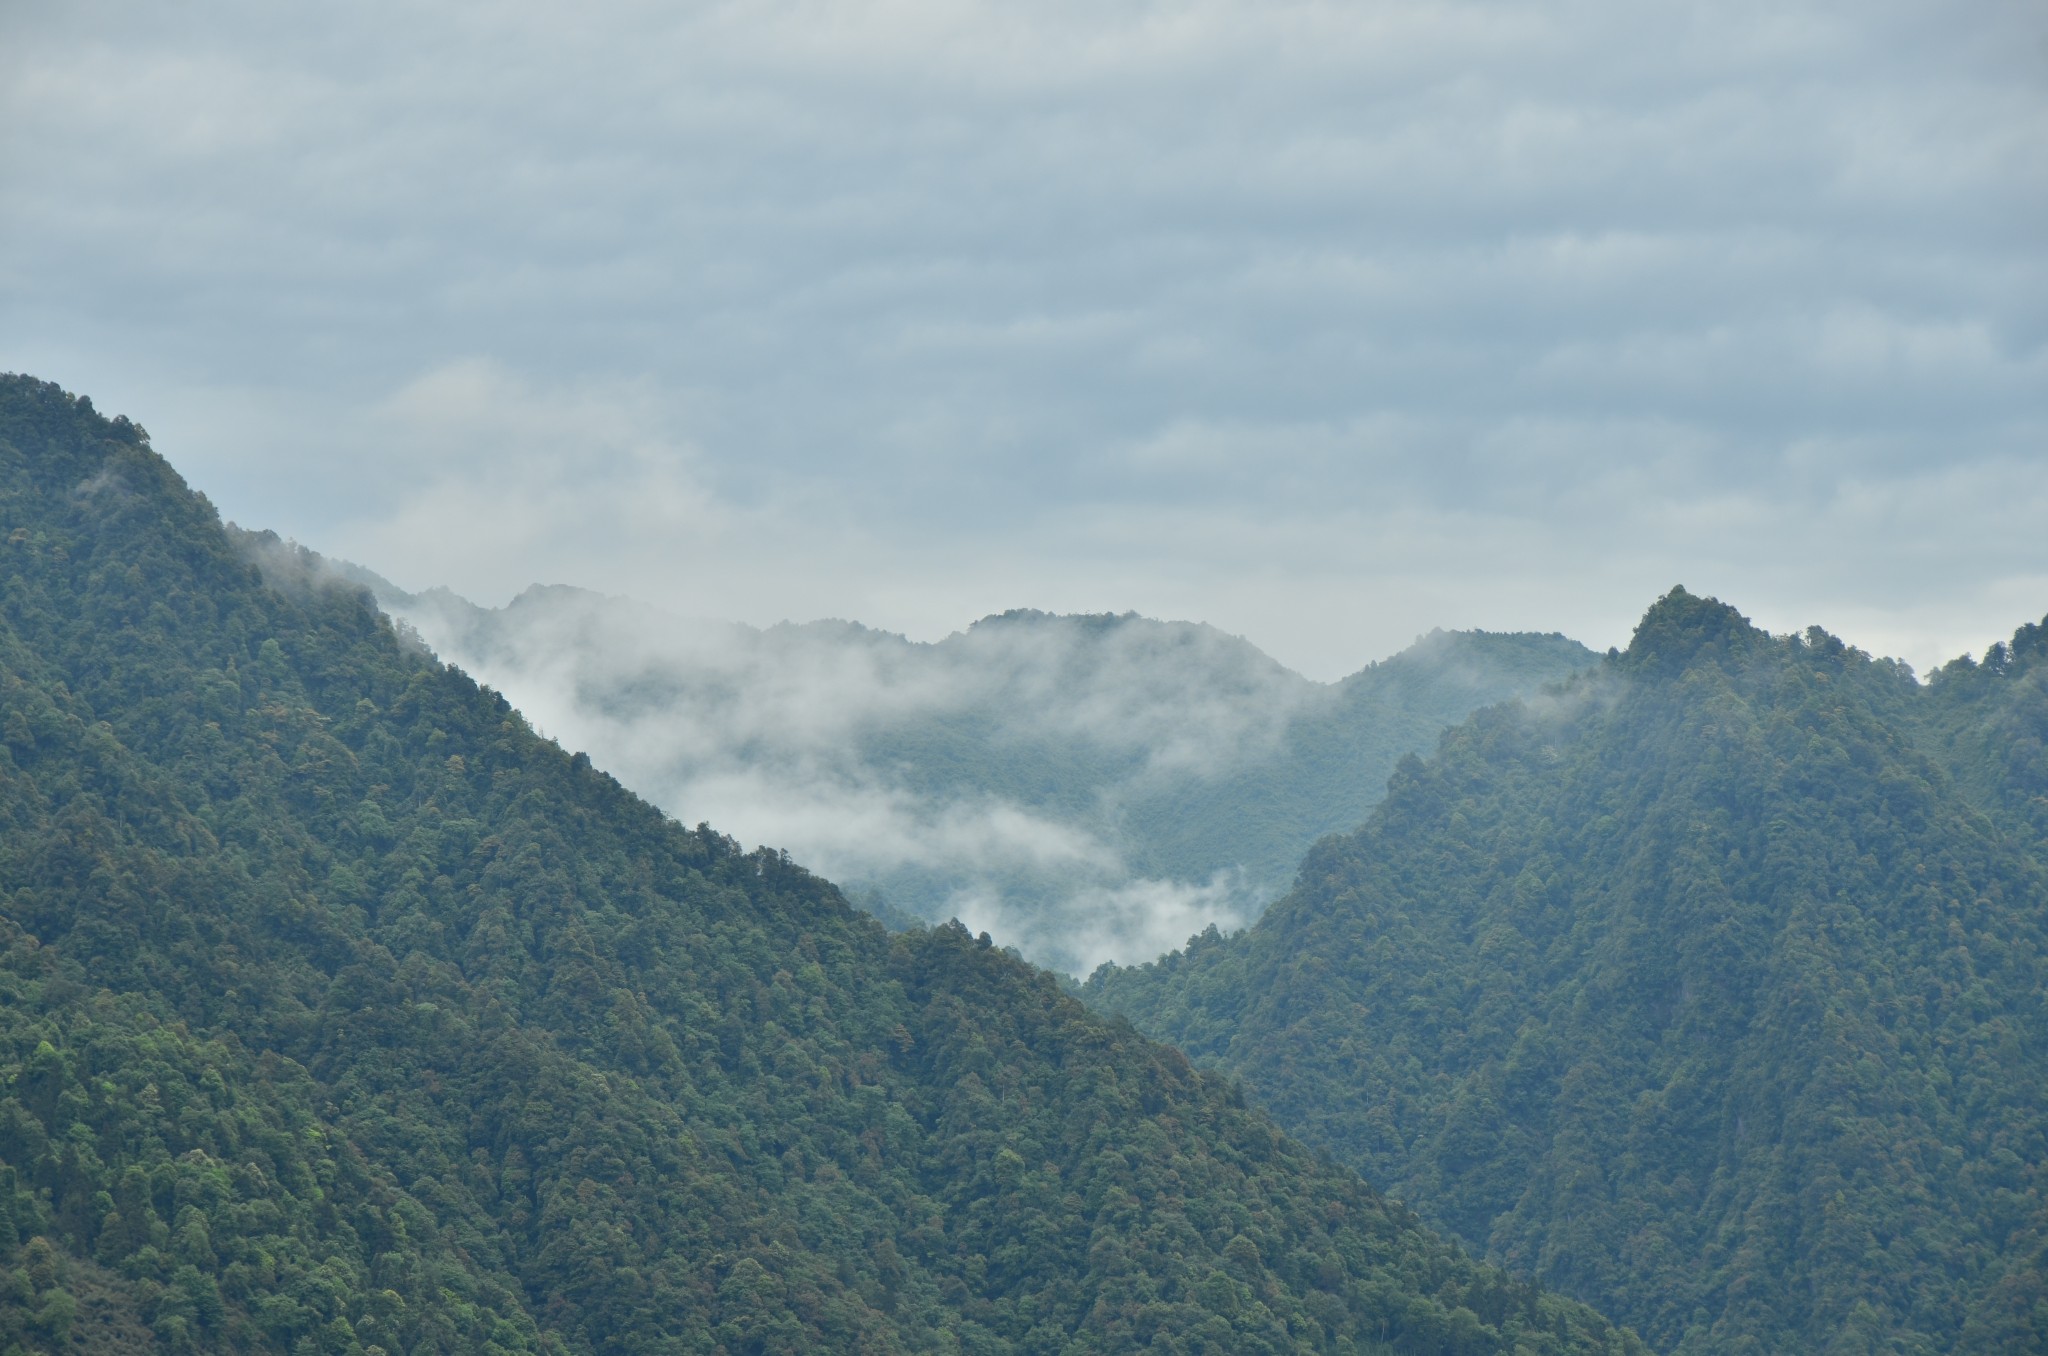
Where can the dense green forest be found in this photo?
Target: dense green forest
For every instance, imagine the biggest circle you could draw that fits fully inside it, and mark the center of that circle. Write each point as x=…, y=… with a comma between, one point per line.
x=340, y=1013
x=1035, y=770
x=1711, y=988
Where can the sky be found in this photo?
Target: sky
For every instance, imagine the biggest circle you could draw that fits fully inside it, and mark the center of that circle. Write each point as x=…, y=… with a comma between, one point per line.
x=1325, y=323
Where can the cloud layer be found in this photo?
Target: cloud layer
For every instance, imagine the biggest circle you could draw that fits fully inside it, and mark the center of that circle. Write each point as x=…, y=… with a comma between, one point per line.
x=1086, y=788
x=987, y=777
x=1324, y=322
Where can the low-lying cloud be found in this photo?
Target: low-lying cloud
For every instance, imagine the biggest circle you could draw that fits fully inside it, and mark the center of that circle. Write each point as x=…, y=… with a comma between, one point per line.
x=1137, y=920
x=981, y=777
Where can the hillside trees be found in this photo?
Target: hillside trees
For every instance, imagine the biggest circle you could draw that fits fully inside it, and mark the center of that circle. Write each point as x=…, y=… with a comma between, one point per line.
x=344, y=1014
x=1708, y=988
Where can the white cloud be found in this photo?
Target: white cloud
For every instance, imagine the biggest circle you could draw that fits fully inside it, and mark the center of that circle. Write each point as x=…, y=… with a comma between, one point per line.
x=1129, y=923
x=986, y=775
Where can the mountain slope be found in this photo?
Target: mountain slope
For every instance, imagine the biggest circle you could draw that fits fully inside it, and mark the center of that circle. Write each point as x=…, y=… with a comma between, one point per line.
x=344, y=1014
x=1989, y=728
x=1702, y=990
x=1083, y=786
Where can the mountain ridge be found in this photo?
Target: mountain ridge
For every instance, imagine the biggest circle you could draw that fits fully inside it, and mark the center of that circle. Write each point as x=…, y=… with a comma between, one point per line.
x=1698, y=989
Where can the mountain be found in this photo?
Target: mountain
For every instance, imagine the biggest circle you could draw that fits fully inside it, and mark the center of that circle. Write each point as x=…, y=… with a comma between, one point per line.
x=1990, y=729
x=342, y=1013
x=1711, y=989
x=1086, y=787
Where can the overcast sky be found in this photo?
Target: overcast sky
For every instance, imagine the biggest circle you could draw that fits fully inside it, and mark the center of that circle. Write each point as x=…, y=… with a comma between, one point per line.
x=1325, y=323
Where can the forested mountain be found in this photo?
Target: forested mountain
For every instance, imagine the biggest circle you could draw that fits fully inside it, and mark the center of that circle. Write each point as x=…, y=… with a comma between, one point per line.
x=1087, y=787
x=341, y=1013
x=1711, y=989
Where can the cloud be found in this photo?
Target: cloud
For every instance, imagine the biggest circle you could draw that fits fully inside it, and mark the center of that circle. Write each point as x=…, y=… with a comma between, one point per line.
x=1327, y=322
x=1140, y=920
x=987, y=775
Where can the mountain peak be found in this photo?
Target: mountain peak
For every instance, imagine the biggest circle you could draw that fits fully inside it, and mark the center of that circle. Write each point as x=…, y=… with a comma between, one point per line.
x=1682, y=630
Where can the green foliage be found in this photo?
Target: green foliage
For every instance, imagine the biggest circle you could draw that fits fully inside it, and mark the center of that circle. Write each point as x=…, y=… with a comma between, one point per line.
x=1706, y=989
x=1989, y=727
x=341, y=1013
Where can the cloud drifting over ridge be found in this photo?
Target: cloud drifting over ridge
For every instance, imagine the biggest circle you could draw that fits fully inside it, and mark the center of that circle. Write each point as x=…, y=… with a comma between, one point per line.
x=1325, y=322
x=988, y=777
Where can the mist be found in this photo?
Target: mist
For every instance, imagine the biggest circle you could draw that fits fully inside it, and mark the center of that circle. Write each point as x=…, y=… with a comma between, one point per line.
x=985, y=777
x=1084, y=788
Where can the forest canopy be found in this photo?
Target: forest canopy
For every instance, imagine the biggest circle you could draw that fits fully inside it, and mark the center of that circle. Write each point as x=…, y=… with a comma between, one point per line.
x=341, y=1013
x=1710, y=988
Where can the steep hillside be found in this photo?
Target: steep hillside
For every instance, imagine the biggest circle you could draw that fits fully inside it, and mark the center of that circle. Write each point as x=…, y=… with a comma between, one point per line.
x=1086, y=787
x=341, y=1013
x=1989, y=727
x=1710, y=990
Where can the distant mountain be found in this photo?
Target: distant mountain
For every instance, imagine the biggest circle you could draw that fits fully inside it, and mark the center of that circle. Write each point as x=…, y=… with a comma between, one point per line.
x=1087, y=787
x=341, y=1013
x=1711, y=989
